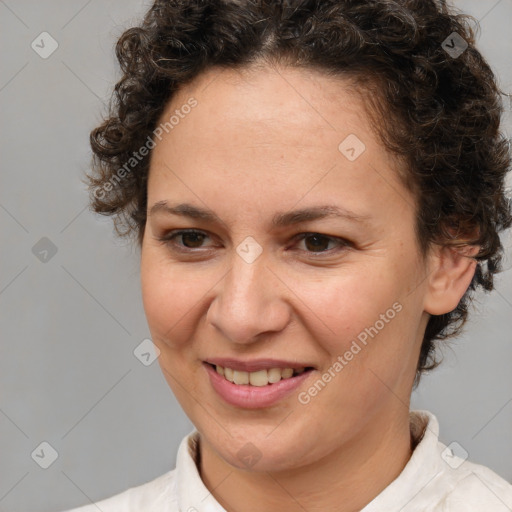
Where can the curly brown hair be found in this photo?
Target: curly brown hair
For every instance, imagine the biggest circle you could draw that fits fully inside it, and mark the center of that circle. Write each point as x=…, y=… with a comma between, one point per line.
x=437, y=111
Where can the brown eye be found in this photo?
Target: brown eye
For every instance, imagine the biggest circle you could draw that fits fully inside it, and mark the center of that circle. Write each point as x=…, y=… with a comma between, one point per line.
x=184, y=240
x=192, y=239
x=318, y=244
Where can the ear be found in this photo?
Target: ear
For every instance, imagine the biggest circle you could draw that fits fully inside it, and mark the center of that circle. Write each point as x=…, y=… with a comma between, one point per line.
x=451, y=272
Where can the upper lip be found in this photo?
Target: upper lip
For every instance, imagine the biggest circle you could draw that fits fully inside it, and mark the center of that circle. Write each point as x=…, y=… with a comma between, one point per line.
x=255, y=365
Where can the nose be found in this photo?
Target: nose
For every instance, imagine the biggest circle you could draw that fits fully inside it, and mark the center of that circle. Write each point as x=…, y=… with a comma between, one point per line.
x=249, y=302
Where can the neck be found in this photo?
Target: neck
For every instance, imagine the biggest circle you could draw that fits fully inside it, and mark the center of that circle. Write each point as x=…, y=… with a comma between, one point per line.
x=345, y=481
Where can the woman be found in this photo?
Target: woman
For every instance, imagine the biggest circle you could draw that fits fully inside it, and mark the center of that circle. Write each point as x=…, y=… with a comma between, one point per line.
x=317, y=191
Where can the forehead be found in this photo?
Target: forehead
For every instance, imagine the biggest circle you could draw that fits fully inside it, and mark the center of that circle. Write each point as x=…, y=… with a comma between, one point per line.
x=278, y=135
x=272, y=101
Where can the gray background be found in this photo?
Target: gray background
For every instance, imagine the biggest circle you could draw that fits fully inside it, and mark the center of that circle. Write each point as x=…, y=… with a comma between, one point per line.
x=69, y=326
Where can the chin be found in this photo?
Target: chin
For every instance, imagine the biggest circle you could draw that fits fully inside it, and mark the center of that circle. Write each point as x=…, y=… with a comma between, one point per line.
x=261, y=450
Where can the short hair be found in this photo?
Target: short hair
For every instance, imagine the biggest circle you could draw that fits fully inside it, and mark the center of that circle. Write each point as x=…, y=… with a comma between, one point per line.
x=438, y=112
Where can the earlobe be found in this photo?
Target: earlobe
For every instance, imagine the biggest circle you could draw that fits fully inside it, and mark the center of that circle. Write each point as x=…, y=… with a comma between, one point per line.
x=452, y=269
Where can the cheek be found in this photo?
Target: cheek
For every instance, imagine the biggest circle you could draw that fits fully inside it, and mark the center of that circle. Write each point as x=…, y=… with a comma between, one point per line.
x=170, y=296
x=345, y=306
x=369, y=319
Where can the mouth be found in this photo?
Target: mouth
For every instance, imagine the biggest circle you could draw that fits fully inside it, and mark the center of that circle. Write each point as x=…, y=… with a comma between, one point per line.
x=258, y=378
x=255, y=384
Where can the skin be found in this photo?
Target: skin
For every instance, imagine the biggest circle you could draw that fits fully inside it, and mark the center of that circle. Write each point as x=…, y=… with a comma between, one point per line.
x=264, y=140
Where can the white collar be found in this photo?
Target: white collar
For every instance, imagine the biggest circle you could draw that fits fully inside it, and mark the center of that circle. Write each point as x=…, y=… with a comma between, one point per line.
x=408, y=490
x=191, y=492
x=424, y=468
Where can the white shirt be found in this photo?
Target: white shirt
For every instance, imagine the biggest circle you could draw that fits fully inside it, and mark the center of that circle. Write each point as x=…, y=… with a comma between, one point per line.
x=434, y=480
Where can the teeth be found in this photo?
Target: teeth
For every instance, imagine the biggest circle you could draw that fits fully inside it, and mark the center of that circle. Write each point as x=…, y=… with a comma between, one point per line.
x=240, y=377
x=286, y=373
x=274, y=375
x=228, y=373
x=258, y=378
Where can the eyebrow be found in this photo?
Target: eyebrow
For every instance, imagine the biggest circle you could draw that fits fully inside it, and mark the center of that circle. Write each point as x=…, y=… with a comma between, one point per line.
x=280, y=219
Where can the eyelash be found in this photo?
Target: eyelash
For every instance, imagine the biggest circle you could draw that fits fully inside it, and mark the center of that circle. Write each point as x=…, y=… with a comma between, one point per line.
x=168, y=240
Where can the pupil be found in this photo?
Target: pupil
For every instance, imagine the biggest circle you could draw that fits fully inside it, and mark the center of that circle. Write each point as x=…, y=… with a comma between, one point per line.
x=317, y=245
x=196, y=239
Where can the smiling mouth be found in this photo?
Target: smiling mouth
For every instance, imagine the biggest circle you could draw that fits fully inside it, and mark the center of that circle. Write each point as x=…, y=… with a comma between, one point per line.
x=259, y=378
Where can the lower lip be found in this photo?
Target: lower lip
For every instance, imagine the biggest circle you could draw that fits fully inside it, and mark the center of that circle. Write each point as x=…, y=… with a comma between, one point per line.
x=253, y=397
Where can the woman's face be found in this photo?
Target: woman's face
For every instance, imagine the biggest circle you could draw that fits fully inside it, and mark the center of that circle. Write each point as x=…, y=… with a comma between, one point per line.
x=249, y=291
